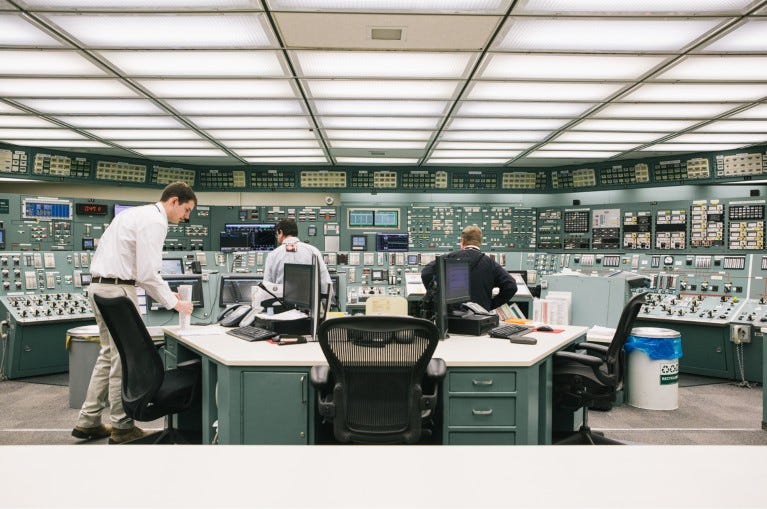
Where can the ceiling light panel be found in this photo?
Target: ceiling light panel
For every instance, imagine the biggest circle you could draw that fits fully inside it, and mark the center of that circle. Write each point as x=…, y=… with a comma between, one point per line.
x=728, y=126
x=368, y=64
x=350, y=107
x=691, y=147
x=532, y=91
x=287, y=160
x=363, y=89
x=145, y=134
x=657, y=126
x=616, y=137
x=145, y=144
x=92, y=106
x=137, y=4
x=372, y=134
x=643, y=7
x=558, y=34
x=46, y=63
x=697, y=137
x=59, y=87
x=23, y=121
x=165, y=30
x=521, y=109
x=17, y=31
x=668, y=110
x=182, y=152
x=590, y=146
x=265, y=122
x=379, y=122
x=279, y=152
x=117, y=122
x=478, y=145
x=571, y=67
x=414, y=145
x=507, y=154
x=197, y=64
x=241, y=88
x=724, y=67
x=748, y=37
x=7, y=108
x=466, y=160
x=376, y=160
x=434, y=6
x=506, y=124
x=262, y=134
x=757, y=112
x=683, y=92
x=57, y=143
x=40, y=134
x=495, y=136
x=236, y=106
x=238, y=144
x=574, y=154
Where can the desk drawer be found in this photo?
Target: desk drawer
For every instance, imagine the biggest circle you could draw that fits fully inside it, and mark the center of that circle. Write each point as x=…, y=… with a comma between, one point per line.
x=482, y=412
x=482, y=381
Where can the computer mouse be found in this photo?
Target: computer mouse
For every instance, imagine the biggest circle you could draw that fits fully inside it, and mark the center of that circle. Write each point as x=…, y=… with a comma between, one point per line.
x=544, y=328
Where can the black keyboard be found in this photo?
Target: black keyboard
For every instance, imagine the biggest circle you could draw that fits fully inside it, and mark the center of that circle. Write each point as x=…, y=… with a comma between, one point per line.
x=511, y=331
x=250, y=333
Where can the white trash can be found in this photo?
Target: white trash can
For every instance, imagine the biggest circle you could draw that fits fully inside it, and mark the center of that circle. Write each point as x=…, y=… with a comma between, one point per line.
x=653, y=368
x=84, y=346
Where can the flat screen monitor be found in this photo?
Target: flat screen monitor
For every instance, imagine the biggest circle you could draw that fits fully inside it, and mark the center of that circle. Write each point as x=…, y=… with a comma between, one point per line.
x=174, y=281
x=359, y=242
x=298, y=285
x=389, y=242
x=457, y=282
x=237, y=289
x=360, y=218
x=249, y=237
x=173, y=266
x=386, y=218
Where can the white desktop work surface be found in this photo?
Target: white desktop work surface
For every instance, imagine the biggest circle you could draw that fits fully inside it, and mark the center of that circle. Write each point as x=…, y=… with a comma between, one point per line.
x=495, y=392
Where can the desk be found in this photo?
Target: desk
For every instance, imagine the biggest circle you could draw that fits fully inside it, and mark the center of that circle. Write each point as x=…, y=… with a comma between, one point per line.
x=495, y=392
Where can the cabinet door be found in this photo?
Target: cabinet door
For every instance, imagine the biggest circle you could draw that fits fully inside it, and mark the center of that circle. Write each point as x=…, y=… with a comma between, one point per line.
x=275, y=407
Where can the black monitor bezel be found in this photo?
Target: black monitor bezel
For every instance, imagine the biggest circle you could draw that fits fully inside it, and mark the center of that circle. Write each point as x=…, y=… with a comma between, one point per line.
x=228, y=277
x=292, y=270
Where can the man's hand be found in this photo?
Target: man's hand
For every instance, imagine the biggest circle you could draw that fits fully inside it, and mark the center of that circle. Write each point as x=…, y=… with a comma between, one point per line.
x=183, y=306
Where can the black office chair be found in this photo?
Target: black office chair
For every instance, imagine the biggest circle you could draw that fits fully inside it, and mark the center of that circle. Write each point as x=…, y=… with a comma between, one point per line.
x=148, y=391
x=381, y=383
x=583, y=380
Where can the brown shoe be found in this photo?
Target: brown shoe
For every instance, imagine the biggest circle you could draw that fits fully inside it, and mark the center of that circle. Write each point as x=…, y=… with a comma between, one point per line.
x=93, y=433
x=121, y=436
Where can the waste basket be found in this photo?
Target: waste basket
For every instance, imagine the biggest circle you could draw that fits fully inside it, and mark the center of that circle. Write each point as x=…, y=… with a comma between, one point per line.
x=84, y=345
x=653, y=368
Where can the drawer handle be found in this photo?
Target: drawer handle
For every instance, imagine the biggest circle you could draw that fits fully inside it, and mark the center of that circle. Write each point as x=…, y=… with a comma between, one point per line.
x=482, y=412
x=482, y=382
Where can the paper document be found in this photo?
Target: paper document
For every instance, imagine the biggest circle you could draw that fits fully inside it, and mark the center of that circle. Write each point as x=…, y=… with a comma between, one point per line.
x=202, y=330
x=290, y=314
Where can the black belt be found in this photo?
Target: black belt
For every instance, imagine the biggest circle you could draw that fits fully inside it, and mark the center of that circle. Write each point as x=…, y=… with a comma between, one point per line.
x=114, y=281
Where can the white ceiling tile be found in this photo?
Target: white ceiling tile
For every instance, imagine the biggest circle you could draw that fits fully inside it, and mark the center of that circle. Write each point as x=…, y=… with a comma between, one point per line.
x=757, y=112
x=370, y=144
x=660, y=126
x=480, y=145
x=368, y=64
x=92, y=106
x=119, y=122
x=379, y=134
x=536, y=90
x=239, y=144
x=567, y=67
x=40, y=134
x=23, y=121
x=181, y=152
x=698, y=137
x=643, y=7
x=379, y=122
x=376, y=160
x=601, y=136
x=264, y=122
x=46, y=63
x=574, y=154
x=140, y=145
x=719, y=67
x=692, y=147
x=286, y=160
x=506, y=154
x=390, y=89
x=506, y=124
x=730, y=126
x=691, y=92
x=467, y=161
x=197, y=64
x=262, y=134
x=614, y=147
x=279, y=152
x=351, y=107
x=221, y=88
x=433, y=6
x=133, y=4
x=17, y=31
x=665, y=110
x=64, y=87
x=145, y=134
x=236, y=106
x=498, y=136
x=521, y=109
x=748, y=37
x=63, y=144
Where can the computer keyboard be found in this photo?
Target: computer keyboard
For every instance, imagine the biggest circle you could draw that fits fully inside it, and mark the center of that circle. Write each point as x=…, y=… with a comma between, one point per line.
x=250, y=333
x=513, y=333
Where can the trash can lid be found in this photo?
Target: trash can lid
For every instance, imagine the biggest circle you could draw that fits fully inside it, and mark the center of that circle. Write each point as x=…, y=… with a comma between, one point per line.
x=654, y=333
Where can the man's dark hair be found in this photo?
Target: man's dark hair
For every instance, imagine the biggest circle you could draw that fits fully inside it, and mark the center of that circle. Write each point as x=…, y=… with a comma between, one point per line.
x=180, y=190
x=288, y=227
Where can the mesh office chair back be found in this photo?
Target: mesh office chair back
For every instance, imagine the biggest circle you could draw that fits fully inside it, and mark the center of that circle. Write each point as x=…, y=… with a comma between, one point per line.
x=615, y=363
x=378, y=364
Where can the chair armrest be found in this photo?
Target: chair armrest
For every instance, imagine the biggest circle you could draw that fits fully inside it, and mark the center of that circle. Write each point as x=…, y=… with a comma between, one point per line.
x=318, y=375
x=436, y=369
x=580, y=358
x=594, y=348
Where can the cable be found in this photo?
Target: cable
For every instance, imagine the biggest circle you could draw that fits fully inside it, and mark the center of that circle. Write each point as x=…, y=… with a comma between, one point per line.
x=739, y=356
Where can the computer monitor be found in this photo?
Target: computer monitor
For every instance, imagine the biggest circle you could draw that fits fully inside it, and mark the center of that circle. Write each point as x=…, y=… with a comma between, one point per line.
x=237, y=289
x=248, y=237
x=298, y=286
x=173, y=266
x=119, y=209
x=359, y=242
x=453, y=287
x=386, y=218
x=392, y=242
x=174, y=281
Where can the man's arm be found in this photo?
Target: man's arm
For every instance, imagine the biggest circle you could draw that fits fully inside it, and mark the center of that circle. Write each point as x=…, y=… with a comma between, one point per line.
x=505, y=283
x=427, y=274
x=148, y=263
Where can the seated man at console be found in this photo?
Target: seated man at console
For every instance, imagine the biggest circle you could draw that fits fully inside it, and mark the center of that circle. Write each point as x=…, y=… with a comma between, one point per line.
x=485, y=273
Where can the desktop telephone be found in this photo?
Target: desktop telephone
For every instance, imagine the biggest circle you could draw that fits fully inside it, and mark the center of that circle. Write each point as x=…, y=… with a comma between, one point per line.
x=476, y=308
x=233, y=315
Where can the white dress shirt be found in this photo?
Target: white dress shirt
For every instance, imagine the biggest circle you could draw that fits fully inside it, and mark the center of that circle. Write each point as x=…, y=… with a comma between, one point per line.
x=292, y=250
x=131, y=248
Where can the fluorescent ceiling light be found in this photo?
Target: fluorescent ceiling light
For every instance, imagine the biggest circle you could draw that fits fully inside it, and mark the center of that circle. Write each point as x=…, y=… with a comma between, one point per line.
x=333, y=64
x=659, y=126
x=219, y=88
x=144, y=144
x=57, y=143
x=478, y=145
x=466, y=160
x=165, y=30
x=691, y=147
x=92, y=106
x=104, y=121
x=7, y=108
x=286, y=160
x=719, y=67
x=757, y=112
x=377, y=160
x=531, y=91
x=502, y=136
x=145, y=134
x=689, y=92
x=372, y=134
x=590, y=146
x=262, y=134
x=596, y=67
x=507, y=154
x=636, y=6
x=747, y=37
x=132, y=4
x=15, y=180
x=727, y=126
x=16, y=31
x=361, y=107
x=41, y=134
x=271, y=143
x=418, y=145
x=49, y=63
x=250, y=122
x=506, y=123
x=359, y=89
x=279, y=152
x=596, y=137
x=667, y=110
x=236, y=106
x=24, y=121
x=610, y=34
x=198, y=64
x=720, y=138
x=61, y=87
x=379, y=122
x=571, y=154
x=407, y=6
x=521, y=109
x=182, y=152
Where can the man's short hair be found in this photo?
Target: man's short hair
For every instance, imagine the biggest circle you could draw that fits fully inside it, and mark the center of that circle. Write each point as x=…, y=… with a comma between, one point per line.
x=288, y=227
x=180, y=190
x=472, y=236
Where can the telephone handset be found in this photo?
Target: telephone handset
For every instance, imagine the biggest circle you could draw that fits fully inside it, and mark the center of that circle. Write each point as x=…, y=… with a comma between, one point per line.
x=249, y=318
x=476, y=308
x=231, y=316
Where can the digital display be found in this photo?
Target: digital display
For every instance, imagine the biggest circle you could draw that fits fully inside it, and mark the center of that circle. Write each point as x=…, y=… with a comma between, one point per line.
x=389, y=242
x=457, y=282
x=248, y=237
x=88, y=244
x=174, y=282
x=360, y=218
x=85, y=279
x=359, y=242
x=2, y=239
x=412, y=259
x=237, y=289
x=297, y=285
x=91, y=209
x=43, y=208
x=172, y=266
x=386, y=218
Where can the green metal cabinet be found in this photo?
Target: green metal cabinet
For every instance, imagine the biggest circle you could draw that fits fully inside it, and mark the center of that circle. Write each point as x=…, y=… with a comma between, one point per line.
x=275, y=407
x=38, y=349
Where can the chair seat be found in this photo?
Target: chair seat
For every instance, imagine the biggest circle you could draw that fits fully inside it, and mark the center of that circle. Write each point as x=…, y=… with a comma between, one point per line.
x=173, y=395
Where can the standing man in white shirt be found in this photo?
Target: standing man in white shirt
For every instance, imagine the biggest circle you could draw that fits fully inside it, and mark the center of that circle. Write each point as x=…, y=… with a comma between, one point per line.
x=129, y=254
